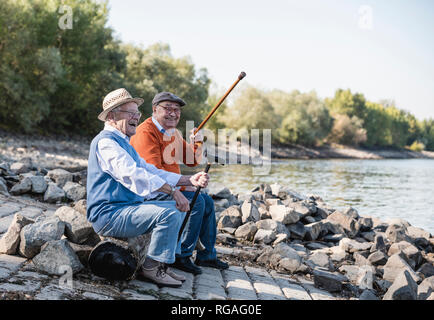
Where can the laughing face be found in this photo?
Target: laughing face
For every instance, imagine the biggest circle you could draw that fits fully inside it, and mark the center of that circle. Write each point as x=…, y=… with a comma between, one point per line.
x=125, y=118
x=167, y=113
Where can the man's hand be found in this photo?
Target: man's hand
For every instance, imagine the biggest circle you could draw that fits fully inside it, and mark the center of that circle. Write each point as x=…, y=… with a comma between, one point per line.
x=196, y=138
x=182, y=203
x=200, y=179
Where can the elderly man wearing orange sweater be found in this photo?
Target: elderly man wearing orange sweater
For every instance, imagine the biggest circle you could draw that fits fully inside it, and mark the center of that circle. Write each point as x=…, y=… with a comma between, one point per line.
x=159, y=143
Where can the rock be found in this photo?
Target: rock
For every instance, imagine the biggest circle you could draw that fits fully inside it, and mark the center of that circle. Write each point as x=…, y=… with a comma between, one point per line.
x=246, y=231
x=53, y=193
x=231, y=217
x=264, y=214
x=333, y=237
x=403, y=288
x=369, y=236
x=425, y=289
x=312, y=231
x=265, y=255
x=82, y=252
x=379, y=244
x=366, y=224
x=395, y=265
x=333, y=227
x=249, y=212
x=320, y=259
x=56, y=257
x=264, y=236
x=338, y=255
x=281, y=237
x=273, y=202
x=415, y=233
x=302, y=208
x=398, y=222
x=396, y=233
x=308, y=219
x=351, y=212
x=411, y=253
x=378, y=258
x=349, y=245
x=3, y=187
x=20, y=167
x=427, y=269
x=33, y=236
x=291, y=264
x=276, y=226
x=77, y=228
x=220, y=192
x=365, y=277
x=229, y=230
x=39, y=185
x=330, y=281
x=297, y=230
x=22, y=187
x=11, y=239
x=74, y=191
x=368, y=295
x=222, y=203
x=360, y=260
x=316, y=246
x=284, y=214
x=60, y=176
x=348, y=223
x=278, y=191
x=81, y=206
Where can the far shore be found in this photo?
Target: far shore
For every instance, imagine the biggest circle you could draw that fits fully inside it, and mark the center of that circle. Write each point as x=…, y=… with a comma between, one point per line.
x=72, y=154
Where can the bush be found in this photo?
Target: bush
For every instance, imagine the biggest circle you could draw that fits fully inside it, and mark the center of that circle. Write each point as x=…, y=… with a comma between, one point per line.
x=348, y=131
x=417, y=146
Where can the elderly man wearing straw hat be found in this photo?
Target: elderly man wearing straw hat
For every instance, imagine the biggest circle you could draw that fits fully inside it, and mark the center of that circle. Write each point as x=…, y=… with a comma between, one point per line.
x=120, y=184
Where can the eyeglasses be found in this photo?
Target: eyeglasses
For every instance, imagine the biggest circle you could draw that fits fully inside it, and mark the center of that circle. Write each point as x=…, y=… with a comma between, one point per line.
x=170, y=110
x=132, y=113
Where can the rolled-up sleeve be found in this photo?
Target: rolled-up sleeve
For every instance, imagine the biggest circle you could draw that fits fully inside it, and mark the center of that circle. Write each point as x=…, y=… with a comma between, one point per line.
x=141, y=178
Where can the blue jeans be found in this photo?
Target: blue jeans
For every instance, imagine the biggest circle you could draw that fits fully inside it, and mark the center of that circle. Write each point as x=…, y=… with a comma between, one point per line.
x=201, y=225
x=159, y=217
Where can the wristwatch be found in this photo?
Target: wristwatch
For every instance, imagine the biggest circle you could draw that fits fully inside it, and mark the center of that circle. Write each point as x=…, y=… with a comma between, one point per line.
x=172, y=190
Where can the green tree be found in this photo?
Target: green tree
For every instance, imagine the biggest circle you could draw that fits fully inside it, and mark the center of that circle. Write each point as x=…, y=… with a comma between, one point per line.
x=344, y=102
x=303, y=117
x=250, y=110
x=154, y=70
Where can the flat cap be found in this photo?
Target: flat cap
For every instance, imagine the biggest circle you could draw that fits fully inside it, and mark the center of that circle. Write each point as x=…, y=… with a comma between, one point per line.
x=167, y=96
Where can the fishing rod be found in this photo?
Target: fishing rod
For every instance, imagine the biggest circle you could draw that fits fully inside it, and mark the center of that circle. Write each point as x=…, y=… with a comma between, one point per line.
x=196, y=194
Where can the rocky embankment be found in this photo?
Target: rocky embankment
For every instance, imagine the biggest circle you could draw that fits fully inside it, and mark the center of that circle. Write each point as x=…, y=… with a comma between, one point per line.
x=272, y=227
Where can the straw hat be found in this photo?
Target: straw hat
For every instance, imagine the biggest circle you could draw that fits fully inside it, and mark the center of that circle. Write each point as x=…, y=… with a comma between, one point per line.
x=115, y=99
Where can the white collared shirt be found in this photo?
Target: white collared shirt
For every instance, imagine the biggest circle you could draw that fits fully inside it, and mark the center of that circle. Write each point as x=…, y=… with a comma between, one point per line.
x=141, y=178
x=169, y=132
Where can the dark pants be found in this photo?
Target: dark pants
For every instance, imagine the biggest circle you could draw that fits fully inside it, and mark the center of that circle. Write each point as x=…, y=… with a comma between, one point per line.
x=201, y=225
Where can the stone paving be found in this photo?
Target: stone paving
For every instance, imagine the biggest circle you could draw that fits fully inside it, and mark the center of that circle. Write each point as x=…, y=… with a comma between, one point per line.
x=19, y=276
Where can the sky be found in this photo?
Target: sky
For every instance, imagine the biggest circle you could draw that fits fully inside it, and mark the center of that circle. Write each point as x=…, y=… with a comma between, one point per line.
x=383, y=49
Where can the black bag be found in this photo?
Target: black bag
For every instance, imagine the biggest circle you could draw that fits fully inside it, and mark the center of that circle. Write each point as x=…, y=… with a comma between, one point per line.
x=112, y=261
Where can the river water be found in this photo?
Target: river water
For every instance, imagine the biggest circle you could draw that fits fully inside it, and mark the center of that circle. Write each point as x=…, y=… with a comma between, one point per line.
x=379, y=188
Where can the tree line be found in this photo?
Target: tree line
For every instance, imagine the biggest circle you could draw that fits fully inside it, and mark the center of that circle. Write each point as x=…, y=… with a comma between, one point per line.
x=53, y=81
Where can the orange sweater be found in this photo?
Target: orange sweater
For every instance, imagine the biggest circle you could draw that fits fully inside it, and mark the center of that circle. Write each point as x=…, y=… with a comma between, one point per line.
x=162, y=151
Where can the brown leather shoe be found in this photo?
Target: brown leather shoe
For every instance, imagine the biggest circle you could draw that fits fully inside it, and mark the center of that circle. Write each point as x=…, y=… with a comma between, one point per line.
x=159, y=276
x=174, y=275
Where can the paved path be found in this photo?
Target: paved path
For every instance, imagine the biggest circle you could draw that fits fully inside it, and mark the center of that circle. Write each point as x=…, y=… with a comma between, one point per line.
x=19, y=277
